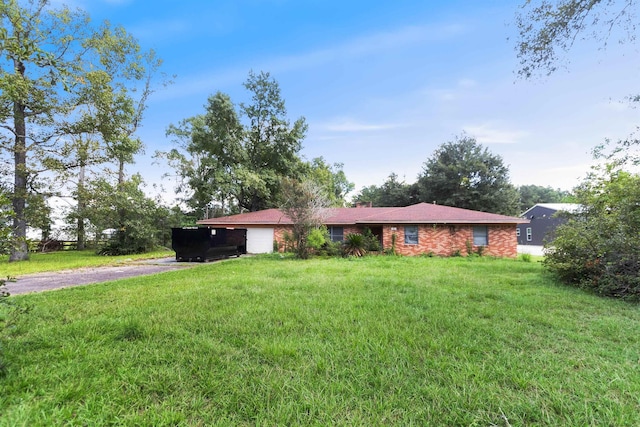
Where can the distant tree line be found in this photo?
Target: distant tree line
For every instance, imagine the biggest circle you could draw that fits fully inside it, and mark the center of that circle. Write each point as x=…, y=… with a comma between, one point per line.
x=464, y=174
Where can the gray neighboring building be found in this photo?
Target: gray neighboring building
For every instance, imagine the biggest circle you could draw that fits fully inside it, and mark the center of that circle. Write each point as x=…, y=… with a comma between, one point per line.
x=542, y=220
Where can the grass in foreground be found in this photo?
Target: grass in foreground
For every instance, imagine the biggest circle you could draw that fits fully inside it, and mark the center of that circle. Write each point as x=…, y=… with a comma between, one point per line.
x=374, y=341
x=63, y=260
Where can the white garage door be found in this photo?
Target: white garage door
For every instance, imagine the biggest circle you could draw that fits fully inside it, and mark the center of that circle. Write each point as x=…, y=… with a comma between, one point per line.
x=259, y=240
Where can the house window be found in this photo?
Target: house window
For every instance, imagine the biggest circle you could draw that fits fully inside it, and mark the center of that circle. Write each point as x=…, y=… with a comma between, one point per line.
x=481, y=236
x=336, y=234
x=517, y=232
x=529, y=235
x=411, y=235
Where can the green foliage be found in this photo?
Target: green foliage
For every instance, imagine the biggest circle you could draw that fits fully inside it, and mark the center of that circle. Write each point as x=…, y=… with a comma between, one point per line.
x=208, y=148
x=530, y=195
x=394, y=240
x=331, y=249
x=233, y=159
x=331, y=179
x=317, y=238
x=6, y=214
x=61, y=77
x=139, y=224
x=372, y=244
x=38, y=214
x=468, y=246
x=526, y=257
x=305, y=205
x=355, y=244
x=466, y=175
x=289, y=241
x=391, y=193
x=599, y=247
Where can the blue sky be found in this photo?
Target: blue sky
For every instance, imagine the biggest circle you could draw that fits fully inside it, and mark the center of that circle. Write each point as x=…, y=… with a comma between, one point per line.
x=383, y=83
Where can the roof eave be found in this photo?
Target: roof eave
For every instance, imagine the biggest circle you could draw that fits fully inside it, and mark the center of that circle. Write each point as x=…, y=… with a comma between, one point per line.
x=449, y=222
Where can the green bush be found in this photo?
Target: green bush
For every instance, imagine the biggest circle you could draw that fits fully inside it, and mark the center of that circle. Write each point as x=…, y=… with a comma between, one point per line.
x=599, y=248
x=372, y=244
x=355, y=245
x=128, y=242
x=317, y=238
x=330, y=249
x=469, y=247
x=289, y=241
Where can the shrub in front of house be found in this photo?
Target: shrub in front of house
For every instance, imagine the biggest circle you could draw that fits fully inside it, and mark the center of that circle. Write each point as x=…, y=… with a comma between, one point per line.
x=372, y=244
x=317, y=238
x=354, y=244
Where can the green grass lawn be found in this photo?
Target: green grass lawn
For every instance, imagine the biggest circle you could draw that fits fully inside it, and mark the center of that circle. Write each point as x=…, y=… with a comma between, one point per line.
x=53, y=261
x=373, y=341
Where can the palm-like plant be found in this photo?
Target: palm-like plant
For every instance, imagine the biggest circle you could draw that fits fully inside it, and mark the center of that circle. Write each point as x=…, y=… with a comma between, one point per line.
x=355, y=245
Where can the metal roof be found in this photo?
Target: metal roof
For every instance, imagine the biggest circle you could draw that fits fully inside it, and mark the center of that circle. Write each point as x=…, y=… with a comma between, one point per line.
x=565, y=207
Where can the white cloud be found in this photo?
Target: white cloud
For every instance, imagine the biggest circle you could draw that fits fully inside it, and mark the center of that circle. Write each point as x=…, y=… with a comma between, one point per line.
x=487, y=133
x=349, y=125
x=368, y=44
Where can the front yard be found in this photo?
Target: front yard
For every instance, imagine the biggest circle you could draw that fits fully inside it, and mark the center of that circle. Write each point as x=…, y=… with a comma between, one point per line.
x=372, y=341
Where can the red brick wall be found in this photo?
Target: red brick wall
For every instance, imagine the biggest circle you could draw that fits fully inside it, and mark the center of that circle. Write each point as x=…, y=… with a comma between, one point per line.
x=446, y=240
x=443, y=240
x=278, y=235
x=279, y=232
x=352, y=229
x=506, y=242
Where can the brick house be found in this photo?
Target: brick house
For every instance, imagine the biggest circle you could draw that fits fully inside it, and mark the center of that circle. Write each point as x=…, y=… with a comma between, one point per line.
x=418, y=229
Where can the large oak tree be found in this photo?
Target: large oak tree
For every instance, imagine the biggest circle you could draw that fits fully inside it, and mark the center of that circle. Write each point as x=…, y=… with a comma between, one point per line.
x=48, y=58
x=234, y=158
x=464, y=174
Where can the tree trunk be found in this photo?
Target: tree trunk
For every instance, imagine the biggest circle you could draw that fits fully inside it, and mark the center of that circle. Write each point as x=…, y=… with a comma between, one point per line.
x=81, y=208
x=19, y=248
x=121, y=210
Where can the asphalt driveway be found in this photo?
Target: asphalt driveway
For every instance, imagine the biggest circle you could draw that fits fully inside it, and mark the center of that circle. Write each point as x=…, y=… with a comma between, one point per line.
x=84, y=276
